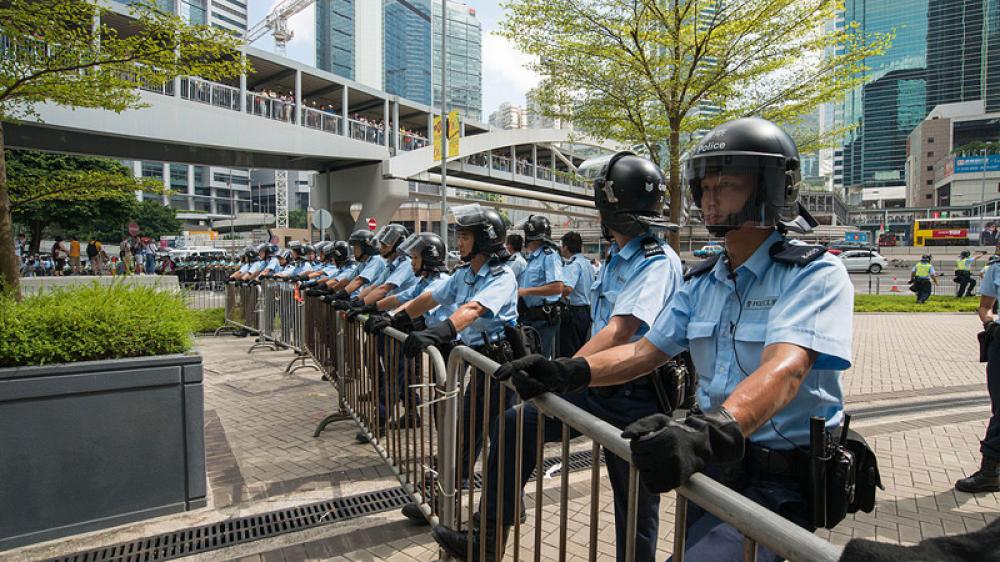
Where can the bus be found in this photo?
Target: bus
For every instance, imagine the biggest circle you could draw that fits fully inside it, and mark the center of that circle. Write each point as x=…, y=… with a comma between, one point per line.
x=959, y=231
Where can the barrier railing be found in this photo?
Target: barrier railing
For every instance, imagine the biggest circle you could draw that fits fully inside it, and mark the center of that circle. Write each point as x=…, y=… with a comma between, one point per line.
x=435, y=423
x=242, y=307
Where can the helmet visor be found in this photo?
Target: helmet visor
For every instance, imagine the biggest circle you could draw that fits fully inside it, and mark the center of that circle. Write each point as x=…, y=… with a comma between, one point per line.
x=412, y=246
x=733, y=191
x=390, y=236
x=468, y=215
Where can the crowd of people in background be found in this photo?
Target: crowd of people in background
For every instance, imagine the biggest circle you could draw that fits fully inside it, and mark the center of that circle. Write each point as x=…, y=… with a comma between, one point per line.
x=137, y=255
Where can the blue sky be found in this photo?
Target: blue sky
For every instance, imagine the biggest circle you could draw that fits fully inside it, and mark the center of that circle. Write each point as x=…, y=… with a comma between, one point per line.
x=504, y=75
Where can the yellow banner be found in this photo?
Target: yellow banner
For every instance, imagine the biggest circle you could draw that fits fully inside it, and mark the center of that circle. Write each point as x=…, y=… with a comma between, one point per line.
x=437, y=139
x=454, y=128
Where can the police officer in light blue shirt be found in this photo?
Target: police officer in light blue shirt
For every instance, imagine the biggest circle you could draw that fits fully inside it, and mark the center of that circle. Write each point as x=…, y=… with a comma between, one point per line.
x=426, y=255
x=485, y=293
x=248, y=258
x=578, y=277
x=398, y=275
x=768, y=325
x=541, y=282
x=370, y=266
x=517, y=263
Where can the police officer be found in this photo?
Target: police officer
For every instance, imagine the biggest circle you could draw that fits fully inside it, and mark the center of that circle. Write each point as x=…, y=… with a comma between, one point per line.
x=369, y=266
x=643, y=273
x=515, y=243
x=398, y=275
x=485, y=292
x=249, y=256
x=987, y=478
x=426, y=260
x=268, y=254
x=541, y=282
x=578, y=277
x=768, y=325
x=921, y=276
x=963, y=273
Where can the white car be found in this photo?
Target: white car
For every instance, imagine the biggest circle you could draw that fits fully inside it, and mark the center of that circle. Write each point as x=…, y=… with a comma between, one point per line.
x=863, y=261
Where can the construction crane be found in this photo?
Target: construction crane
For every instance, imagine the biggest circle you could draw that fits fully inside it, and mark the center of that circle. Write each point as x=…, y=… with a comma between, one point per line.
x=276, y=22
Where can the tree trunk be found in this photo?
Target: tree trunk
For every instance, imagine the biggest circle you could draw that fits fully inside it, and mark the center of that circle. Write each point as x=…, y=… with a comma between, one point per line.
x=37, y=232
x=675, y=188
x=10, y=268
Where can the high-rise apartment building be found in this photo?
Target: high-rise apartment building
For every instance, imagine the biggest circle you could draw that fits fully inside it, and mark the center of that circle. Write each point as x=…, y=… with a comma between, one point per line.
x=407, y=46
x=509, y=116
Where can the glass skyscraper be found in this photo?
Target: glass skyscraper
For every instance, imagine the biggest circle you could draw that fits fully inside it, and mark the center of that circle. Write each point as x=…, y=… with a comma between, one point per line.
x=335, y=37
x=465, y=59
x=893, y=99
x=963, y=52
x=407, y=49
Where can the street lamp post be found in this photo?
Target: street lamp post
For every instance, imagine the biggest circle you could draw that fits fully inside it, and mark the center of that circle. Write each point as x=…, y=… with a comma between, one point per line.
x=982, y=197
x=444, y=123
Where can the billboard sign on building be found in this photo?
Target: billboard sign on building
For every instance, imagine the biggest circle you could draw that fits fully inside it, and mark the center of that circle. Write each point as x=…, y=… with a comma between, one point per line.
x=973, y=164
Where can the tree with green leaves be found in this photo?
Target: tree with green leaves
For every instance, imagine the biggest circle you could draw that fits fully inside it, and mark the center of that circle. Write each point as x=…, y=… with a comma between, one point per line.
x=298, y=218
x=70, y=52
x=68, y=195
x=652, y=74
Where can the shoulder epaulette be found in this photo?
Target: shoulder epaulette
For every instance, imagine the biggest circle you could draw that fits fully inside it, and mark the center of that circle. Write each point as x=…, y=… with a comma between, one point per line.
x=652, y=247
x=795, y=254
x=547, y=249
x=702, y=267
x=496, y=269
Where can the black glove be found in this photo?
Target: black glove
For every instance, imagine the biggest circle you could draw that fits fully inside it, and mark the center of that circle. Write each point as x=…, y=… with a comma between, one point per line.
x=313, y=292
x=416, y=342
x=991, y=327
x=668, y=452
x=306, y=282
x=402, y=322
x=376, y=323
x=534, y=375
x=342, y=295
x=341, y=304
x=363, y=309
x=327, y=298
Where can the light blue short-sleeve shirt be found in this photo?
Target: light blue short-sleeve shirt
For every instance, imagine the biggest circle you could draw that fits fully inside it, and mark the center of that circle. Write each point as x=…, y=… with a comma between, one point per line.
x=493, y=287
x=637, y=280
x=991, y=282
x=399, y=273
x=439, y=313
x=544, y=267
x=256, y=267
x=372, y=269
x=726, y=325
x=517, y=264
x=245, y=268
x=579, y=276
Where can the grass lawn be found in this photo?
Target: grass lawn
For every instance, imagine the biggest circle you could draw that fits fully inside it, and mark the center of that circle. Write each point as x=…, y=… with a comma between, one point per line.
x=908, y=303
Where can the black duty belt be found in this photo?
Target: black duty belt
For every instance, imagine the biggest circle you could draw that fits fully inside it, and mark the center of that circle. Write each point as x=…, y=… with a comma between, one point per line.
x=609, y=391
x=499, y=350
x=761, y=462
x=579, y=307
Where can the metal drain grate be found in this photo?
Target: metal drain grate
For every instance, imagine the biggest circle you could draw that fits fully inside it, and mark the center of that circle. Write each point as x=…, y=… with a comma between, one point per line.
x=244, y=529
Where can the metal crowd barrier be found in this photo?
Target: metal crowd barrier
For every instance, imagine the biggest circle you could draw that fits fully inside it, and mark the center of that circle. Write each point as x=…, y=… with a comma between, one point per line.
x=757, y=524
x=411, y=409
x=242, y=308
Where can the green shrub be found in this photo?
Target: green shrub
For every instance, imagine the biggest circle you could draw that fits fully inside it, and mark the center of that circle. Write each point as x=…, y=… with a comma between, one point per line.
x=208, y=320
x=908, y=303
x=93, y=323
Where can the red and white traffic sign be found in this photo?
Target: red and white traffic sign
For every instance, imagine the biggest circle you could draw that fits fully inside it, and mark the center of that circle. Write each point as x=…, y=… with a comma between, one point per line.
x=371, y=224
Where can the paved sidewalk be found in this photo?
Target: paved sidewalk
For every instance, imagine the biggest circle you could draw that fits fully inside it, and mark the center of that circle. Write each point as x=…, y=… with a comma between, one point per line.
x=916, y=387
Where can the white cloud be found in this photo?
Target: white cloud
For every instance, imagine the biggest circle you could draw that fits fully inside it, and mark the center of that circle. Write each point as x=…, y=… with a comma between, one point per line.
x=505, y=76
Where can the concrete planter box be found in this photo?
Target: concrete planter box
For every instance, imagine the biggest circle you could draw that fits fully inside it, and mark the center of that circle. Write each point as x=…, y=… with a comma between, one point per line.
x=99, y=443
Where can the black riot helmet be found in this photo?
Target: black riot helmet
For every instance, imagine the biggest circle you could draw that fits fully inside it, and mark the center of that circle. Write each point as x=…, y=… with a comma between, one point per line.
x=391, y=235
x=536, y=227
x=364, y=239
x=322, y=249
x=926, y=257
x=341, y=251
x=295, y=246
x=251, y=252
x=488, y=227
x=746, y=171
x=284, y=255
x=964, y=254
x=267, y=249
x=628, y=192
x=429, y=247
x=307, y=249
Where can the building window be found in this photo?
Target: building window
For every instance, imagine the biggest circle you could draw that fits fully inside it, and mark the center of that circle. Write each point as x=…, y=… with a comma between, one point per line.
x=930, y=140
x=929, y=196
x=930, y=153
x=930, y=182
x=930, y=168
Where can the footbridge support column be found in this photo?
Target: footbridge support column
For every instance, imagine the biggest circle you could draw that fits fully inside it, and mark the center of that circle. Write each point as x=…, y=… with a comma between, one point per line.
x=379, y=197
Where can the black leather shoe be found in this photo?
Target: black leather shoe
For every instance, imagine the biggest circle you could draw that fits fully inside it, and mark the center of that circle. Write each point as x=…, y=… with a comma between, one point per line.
x=412, y=512
x=456, y=543
x=986, y=479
